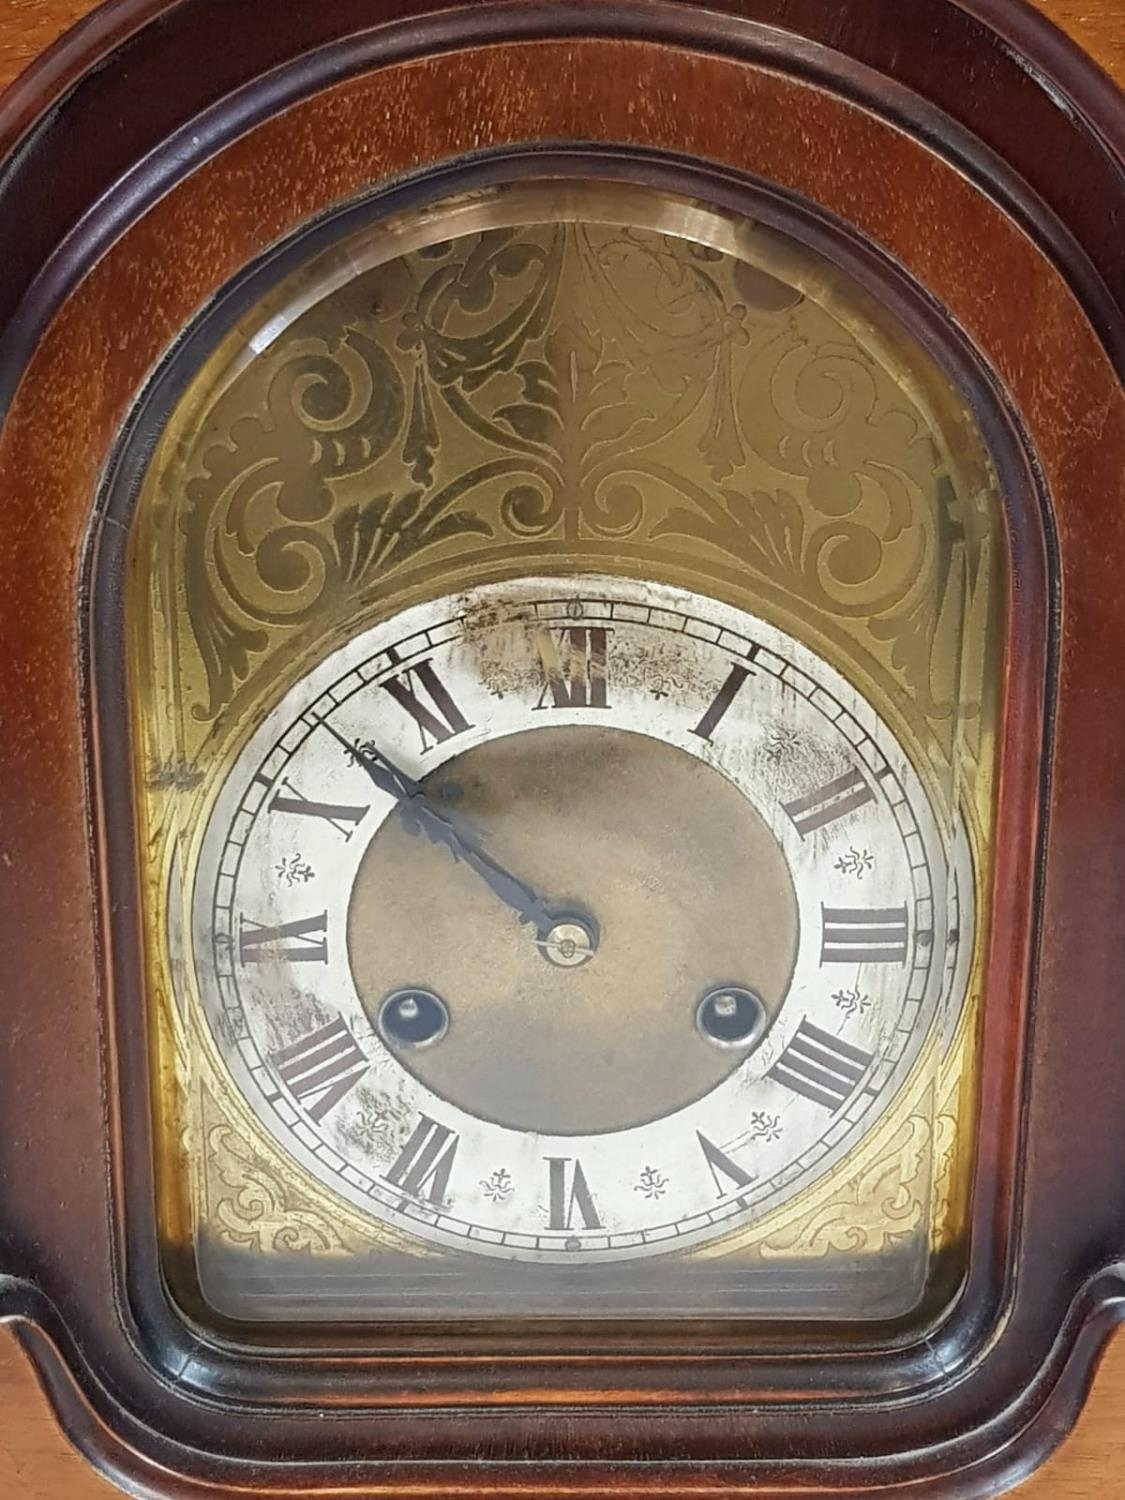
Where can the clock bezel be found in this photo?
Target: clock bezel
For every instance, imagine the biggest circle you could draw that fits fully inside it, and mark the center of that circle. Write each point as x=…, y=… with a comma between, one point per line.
x=886, y=1359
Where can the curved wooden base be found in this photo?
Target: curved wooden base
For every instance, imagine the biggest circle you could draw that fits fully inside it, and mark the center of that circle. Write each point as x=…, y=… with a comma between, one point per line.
x=37, y=1462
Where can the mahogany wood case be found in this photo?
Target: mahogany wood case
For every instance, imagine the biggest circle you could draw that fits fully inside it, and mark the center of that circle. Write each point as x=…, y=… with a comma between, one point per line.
x=965, y=161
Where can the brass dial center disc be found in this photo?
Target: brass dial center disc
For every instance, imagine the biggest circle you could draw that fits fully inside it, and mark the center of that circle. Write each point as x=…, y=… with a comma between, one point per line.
x=688, y=887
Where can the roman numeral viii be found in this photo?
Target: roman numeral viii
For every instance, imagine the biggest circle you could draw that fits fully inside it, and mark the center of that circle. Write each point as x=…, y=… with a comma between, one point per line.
x=877, y=935
x=427, y=700
x=828, y=802
x=425, y=1162
x=569, y=1192
x=304, y=941
x=321, y=1068
x=820, y=1066
x=575, y=666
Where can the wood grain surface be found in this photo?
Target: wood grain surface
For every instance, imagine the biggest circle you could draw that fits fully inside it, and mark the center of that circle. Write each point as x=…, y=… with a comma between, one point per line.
x=38, y=1463
x=27, y=27
x=36, y=1460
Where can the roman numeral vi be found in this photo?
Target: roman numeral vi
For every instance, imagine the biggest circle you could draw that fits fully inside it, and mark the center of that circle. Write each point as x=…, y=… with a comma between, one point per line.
x=569, y=1191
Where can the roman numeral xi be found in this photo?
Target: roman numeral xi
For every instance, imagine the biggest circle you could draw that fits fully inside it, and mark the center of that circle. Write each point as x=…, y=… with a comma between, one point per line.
x=421, y=692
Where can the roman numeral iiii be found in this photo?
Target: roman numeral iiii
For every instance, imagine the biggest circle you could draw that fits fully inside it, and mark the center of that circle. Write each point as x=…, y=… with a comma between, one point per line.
x=820, y=1066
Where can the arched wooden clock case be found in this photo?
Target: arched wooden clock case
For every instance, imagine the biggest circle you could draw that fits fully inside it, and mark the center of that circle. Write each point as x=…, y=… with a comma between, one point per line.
x=962, y=165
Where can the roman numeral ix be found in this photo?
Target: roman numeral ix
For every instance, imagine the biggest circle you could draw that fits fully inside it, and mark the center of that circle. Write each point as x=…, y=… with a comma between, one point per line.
x=304, y=941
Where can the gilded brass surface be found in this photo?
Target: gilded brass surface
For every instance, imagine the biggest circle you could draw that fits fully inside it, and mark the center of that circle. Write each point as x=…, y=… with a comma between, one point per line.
x=514, y=383
x=689, y=888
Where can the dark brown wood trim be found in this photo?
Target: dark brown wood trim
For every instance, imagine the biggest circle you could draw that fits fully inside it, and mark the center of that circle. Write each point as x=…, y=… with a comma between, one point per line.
x=201, y=66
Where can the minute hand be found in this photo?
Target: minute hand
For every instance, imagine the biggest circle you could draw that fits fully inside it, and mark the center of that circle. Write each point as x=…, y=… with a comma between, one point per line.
x=421, y=816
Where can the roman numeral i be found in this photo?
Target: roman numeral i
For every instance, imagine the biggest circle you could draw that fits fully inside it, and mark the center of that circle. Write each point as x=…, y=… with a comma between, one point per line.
x=723, y=700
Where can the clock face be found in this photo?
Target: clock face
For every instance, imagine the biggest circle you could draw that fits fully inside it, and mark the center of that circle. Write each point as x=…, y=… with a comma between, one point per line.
x=571, y=919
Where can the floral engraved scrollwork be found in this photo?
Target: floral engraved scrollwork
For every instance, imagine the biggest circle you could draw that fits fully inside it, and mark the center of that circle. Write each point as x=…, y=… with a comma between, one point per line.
x=255, y=1209
x=884, y=1203
x=266, y=533
x=578, y=385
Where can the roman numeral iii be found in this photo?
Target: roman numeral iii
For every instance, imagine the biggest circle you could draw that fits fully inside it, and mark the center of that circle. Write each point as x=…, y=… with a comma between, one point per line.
x=877, y=935
x=575, y=666
x=322, y=1068
x=820, y=1066
x=427, y=700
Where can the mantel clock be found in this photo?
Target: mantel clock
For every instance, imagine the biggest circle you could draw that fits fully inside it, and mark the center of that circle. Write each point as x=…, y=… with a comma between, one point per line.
x=560, y=784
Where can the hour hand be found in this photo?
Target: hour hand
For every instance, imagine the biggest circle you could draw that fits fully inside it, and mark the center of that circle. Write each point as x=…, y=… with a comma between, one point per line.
x=420, y=816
